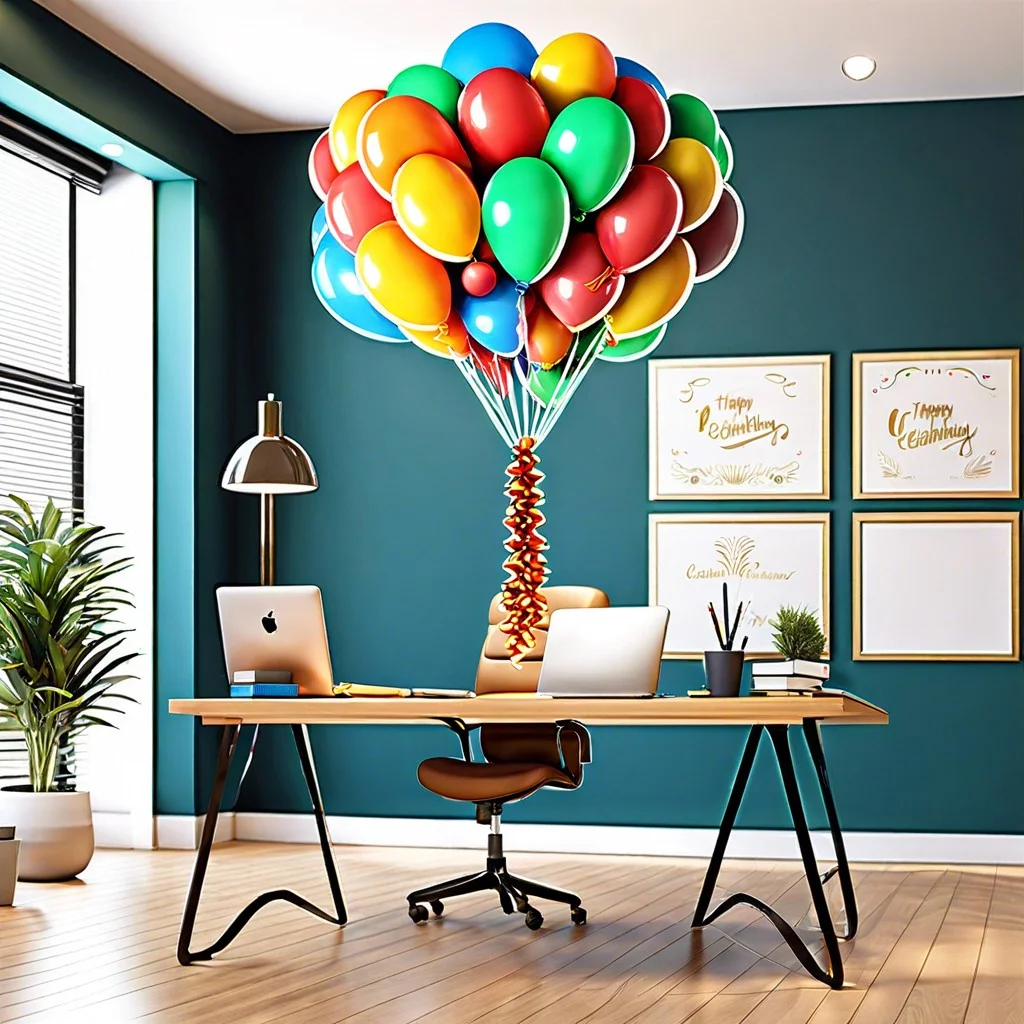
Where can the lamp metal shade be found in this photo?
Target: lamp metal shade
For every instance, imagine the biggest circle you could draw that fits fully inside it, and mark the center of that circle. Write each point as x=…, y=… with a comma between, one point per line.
x=270, y=463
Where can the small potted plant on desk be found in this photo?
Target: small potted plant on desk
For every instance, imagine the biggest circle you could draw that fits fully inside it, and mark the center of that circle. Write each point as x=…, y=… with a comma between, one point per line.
x=799, y=639
x=723, y=668
x=59, y=664
x=8, y=864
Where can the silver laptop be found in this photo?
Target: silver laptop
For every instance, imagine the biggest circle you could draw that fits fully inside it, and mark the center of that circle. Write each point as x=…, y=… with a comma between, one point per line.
x=603, y=652
x=277, y=629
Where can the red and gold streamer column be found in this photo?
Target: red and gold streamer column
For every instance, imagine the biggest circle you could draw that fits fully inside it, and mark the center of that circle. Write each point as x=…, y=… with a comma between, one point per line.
x=521, y=600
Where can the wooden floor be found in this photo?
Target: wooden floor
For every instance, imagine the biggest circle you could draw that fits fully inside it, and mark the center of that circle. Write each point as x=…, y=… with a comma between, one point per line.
x=936, y=945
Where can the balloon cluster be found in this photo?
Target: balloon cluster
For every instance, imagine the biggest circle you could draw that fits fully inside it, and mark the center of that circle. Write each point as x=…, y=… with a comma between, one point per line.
x=523, y=215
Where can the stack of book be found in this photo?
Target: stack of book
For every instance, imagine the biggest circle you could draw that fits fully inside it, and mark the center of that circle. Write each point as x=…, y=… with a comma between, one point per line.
x=788, y=676
x=263, y=683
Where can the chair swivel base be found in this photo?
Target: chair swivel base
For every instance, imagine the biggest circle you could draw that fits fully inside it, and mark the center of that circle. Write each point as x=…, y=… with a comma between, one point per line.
x=513, y=892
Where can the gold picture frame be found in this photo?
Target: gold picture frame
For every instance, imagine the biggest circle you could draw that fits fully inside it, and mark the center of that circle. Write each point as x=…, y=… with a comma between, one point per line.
x=734, y=558
x=979, y=466
x=908, y=602
x=772, y=476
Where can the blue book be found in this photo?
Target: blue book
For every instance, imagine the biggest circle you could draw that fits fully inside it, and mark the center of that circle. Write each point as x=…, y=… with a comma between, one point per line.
x=264, y=689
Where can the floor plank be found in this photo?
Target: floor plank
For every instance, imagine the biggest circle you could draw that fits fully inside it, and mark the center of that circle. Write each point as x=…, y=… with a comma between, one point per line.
x=936, y=945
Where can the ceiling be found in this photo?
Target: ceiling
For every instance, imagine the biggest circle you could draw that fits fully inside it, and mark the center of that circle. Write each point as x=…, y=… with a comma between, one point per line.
x=267, y=65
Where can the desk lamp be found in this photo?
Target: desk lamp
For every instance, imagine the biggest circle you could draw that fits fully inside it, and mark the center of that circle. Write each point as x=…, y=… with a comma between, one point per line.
x=269, y=464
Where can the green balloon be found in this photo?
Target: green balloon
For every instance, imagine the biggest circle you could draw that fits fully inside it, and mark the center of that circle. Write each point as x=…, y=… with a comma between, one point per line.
x=525, y=215
x=628, y=349
x=723, y=154
x=431, y=84
x=692, y=118
x=590, y=144
x=544, y=384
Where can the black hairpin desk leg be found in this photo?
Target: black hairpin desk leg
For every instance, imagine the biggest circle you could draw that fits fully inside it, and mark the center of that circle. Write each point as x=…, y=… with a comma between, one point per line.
x=832, y=972
x=228, y=743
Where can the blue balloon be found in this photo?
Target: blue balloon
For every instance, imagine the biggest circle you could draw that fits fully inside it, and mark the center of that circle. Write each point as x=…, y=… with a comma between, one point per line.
x=338, y=288
x=493, y=319
x=491, y=45
x=630, y=69
x=319, y=226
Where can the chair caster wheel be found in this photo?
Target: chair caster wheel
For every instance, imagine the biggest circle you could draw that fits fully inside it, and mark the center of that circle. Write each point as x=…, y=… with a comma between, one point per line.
x=533, y=919
x=437, y=907
x=417, y=913
x=578, y=915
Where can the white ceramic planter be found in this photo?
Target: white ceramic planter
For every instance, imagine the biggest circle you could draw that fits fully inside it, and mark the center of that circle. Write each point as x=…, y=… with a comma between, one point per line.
x=55, y=830
x=8, y=870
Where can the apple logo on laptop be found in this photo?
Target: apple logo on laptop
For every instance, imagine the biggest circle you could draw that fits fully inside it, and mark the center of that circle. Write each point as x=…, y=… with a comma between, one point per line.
x=269, y=622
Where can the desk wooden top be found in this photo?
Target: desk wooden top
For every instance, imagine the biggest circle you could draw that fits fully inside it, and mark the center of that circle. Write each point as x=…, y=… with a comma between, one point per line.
x=831, y=709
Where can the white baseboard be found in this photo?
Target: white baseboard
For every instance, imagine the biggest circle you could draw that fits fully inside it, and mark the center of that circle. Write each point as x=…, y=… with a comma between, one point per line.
x=113, y=829
x=769, y=844
x=182, y=831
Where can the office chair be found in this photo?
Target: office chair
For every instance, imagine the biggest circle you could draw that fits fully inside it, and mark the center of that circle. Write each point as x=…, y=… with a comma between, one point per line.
x=520, y=759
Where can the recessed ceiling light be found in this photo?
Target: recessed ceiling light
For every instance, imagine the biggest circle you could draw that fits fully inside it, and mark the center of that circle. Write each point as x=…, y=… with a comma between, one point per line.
x=115, y=149
x=858, y=67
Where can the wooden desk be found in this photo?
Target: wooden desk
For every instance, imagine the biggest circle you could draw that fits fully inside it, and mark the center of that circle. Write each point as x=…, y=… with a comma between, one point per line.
x=776, y=716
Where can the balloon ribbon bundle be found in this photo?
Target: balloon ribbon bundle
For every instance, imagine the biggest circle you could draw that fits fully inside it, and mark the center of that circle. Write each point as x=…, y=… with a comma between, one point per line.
x=526, y=565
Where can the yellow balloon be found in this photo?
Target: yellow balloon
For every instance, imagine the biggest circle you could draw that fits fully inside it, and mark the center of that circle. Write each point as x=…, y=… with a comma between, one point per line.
x=698, y=175
x=452, y=343
x=345, y=126
x=572, y=67
x=437, y=205
x=401, y=280
x=655, y=293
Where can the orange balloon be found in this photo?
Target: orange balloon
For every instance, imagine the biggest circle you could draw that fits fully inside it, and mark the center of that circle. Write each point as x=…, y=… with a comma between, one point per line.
x=400, y=127
x=655, y=293
x=345, y=126
x=571, y=67
x=450, y=340
x=698, y=175
x=401, y=280
x=548, y=340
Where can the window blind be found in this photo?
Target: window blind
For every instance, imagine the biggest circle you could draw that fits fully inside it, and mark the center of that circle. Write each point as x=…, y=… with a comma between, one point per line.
x=35, y=268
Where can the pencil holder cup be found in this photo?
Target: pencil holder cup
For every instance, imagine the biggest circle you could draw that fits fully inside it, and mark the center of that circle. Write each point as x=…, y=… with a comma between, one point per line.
x=723, y=670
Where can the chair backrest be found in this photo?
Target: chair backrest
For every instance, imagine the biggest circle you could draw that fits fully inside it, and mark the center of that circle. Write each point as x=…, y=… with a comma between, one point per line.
x=495, y=673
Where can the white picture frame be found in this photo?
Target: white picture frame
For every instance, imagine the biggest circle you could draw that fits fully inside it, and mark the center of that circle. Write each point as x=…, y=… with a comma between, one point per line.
x=936, y=586
x=936, y=424
x=739, y=428
x=768, y=560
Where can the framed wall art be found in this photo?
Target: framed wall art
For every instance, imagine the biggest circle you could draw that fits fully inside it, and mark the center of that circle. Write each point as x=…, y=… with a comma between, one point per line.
x=739, y=427
x=767, y=559
x=936, y=424
x=936, y=586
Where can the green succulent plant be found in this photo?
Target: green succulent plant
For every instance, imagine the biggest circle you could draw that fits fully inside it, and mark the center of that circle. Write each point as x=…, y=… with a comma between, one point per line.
x=59, y=634
x=798, y=634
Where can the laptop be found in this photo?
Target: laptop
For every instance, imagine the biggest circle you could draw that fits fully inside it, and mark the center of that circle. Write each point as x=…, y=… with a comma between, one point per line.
x=603, y=652
x=277, y=629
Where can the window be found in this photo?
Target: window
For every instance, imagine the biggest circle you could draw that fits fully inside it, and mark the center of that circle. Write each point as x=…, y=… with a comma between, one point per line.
x=41, y=408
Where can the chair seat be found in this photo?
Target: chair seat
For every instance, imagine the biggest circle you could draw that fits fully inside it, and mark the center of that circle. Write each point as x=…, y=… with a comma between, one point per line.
x=461, y=780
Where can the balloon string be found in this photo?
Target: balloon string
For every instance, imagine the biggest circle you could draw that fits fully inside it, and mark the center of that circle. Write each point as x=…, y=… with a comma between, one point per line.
x=521, y=600
x=605, y=274
x=522, y=328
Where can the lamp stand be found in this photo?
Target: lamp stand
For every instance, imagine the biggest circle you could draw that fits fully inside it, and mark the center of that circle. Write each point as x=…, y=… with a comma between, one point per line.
x=268, y=540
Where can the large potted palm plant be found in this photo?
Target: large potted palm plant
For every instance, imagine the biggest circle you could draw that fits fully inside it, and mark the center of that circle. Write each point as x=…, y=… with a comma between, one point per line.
x=59, y=662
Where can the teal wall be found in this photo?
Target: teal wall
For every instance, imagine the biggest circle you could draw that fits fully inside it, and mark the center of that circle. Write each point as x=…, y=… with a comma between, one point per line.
x=204, y=399
x=868, y=227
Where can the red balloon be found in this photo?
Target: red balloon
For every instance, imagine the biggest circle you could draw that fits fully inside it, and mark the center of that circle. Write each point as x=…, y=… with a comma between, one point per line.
x=648, y=114
x=486, y=253
x=581, y=287
x=635, y=228
x=495, y=368
x=529, y=299
x=320, y=165
x=479, y=278
x=502, y=116
x=715, y=242
x=354, y=206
